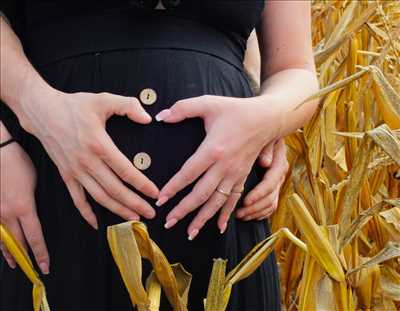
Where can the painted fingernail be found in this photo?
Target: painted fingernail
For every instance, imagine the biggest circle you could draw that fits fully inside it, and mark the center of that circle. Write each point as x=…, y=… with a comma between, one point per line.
x=170, y=223
x=44, y=268
x=162, y=115
x=223, y=228
x=162, y=200
x=193, y=234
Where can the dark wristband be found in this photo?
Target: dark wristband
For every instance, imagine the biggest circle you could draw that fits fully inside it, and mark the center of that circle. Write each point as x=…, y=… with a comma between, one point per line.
x=11, y=140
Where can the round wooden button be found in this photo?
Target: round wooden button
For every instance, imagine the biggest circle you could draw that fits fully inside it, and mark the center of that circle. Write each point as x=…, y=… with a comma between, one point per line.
x=148, y=96
x=142, y=161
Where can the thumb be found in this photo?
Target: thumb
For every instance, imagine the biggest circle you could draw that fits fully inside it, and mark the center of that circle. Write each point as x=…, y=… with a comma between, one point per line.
x=185, y=108
x=125, y=106
x=266, y=155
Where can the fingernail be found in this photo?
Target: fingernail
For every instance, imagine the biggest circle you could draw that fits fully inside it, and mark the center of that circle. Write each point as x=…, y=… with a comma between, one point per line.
x=44, y=268
x=11, y=264
x=163, y=114
x=133, y=218
x=223, y=228
x=266, y=158
x=239, y=215
x=162, y=200
x=151, y=214
x=95, y=225
x=170, y=223
x=193, y=234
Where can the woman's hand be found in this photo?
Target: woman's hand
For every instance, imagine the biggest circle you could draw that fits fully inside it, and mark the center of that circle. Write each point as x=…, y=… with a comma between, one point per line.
x=237, y=130
x=18, y=209
x=71, y=127
x=262, y=201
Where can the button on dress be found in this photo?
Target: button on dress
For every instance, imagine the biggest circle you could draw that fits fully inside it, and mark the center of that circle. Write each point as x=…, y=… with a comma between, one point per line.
x=160, y=53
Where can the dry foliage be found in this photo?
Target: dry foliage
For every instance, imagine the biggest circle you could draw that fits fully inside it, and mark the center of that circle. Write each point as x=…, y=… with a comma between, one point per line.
x=345, y=167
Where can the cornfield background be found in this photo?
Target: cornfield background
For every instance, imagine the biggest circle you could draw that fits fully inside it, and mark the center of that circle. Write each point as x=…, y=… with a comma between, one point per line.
x=336, y=232
x=345, y=167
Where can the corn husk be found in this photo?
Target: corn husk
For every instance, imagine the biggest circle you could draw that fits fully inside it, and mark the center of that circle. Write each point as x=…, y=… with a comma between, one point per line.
x=22, y=259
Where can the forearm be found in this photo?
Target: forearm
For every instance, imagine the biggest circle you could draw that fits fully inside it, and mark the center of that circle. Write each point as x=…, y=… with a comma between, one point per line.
x=284, y=91
x=18, y=78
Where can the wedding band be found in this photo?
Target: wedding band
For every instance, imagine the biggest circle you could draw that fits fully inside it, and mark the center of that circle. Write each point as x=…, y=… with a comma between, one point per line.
x=238, y=191
x=227, y=194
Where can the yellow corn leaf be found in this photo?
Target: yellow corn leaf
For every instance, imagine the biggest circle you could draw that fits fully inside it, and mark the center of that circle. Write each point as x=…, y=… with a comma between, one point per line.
x=220, y=285
x=385, y=138
x=22, y=259
x=317, y=243
x=392, y=216
x=390, y=283
x=388, y=99
x=334, y=86
x=358, y=223
x=153, y=289
x=217, y=297
x=368, y=286
x=325, y=298
x=391, y=250
x=129, y=242
x=356, y=180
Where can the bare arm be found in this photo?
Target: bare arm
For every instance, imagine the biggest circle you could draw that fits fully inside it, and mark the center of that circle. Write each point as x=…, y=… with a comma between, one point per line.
x=238, y=129
x=16, y=73
x=65, y=122
x=287, y=62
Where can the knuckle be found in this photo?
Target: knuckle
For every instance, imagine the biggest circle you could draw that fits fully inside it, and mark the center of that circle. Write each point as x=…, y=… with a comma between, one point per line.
x=202, y=197
x=206, y=98
x=217, y=152
x=95, y=145
x=82, y=161
x=103, y=96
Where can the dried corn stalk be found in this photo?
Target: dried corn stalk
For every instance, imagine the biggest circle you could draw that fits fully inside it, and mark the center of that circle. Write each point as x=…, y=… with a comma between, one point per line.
x=342, y=196
x=129, y=242
x=21, y=257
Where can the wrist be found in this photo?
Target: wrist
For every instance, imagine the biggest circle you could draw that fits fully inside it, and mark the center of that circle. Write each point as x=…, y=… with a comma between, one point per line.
x=35, y=95
x=271, y=115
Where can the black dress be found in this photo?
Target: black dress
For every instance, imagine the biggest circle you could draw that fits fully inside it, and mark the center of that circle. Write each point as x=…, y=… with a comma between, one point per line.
x=179, y=49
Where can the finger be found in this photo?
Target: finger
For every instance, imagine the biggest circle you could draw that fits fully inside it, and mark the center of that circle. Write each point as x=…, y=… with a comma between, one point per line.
x=34, y=235
x=266, y=154
x=258, y=206
x=212, y=206
x=125, y=106
x=271, y=178
x=200, y=193
x=185, y=108
x=79, y=198
x=114, y=187
x=264, y=214
x=7, y=256
x=98, y=193
x=230, y=205
x=124, y=168
x=198, y=163
x=14, y=228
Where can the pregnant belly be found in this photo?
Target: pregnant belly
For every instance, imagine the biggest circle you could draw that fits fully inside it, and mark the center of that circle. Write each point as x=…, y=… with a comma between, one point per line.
x=159, y=78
